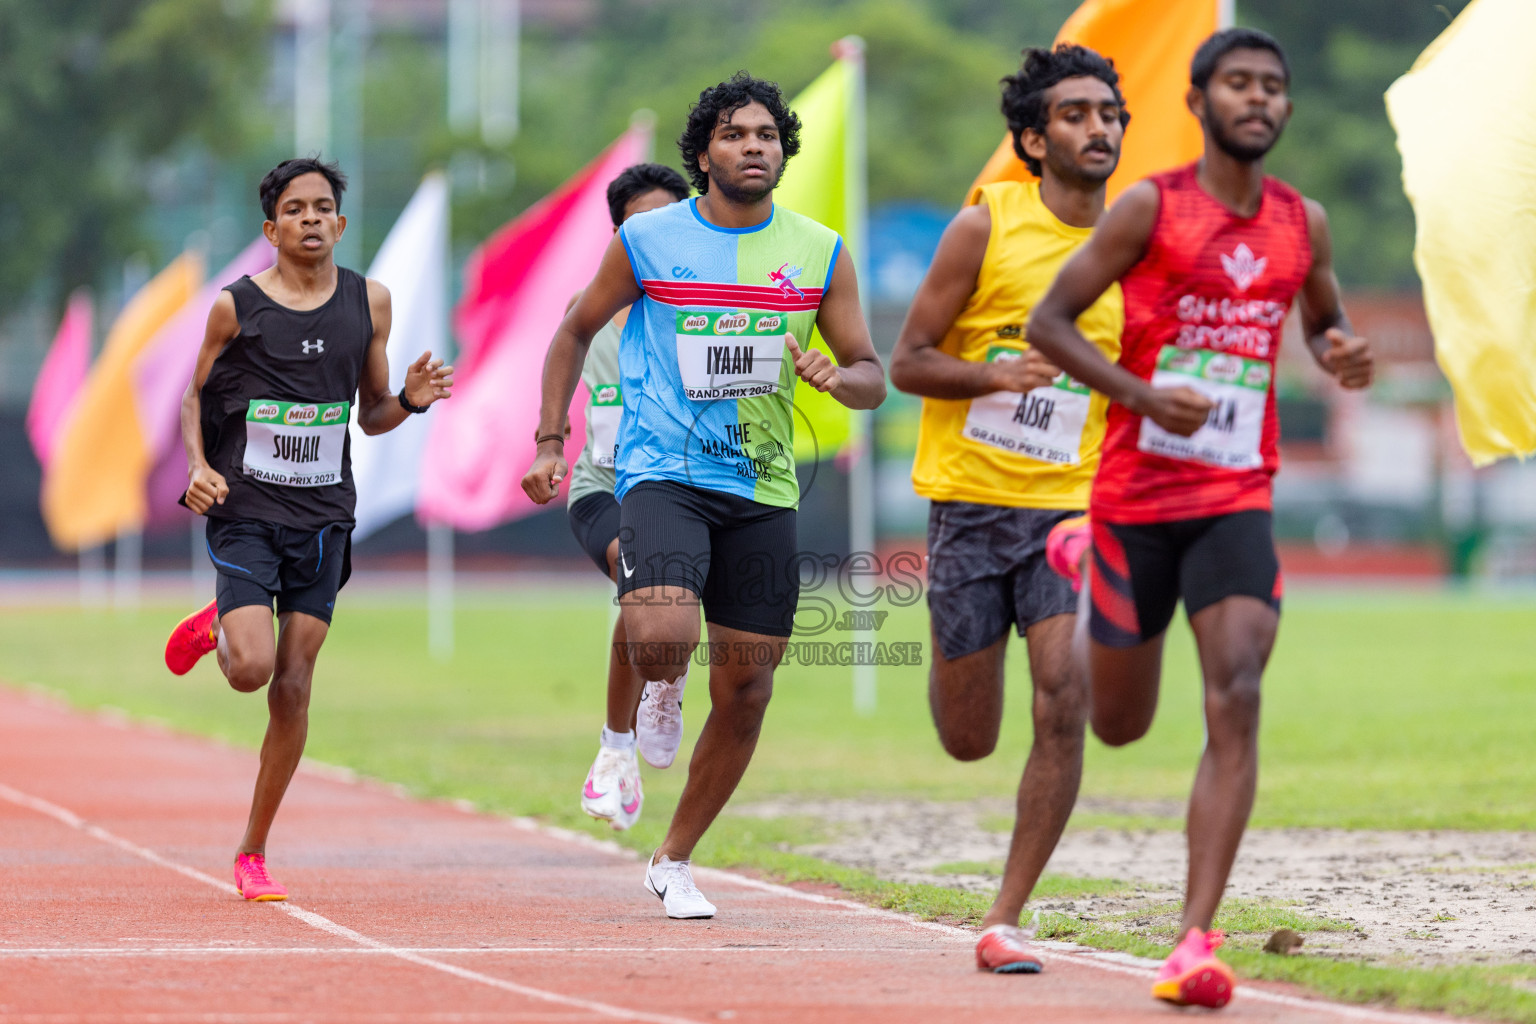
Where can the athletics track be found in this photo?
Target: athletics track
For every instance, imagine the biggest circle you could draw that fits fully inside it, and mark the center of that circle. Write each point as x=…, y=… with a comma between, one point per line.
x=116, y=906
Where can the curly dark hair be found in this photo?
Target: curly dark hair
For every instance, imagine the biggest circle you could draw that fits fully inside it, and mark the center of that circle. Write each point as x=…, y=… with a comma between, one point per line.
x=724, y=100
x=637, y=180
x=1203, y=65
x=280, y=177
x=1024, y=93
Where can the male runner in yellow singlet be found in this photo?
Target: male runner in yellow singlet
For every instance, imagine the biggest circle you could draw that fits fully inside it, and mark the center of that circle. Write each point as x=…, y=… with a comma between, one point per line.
x=1007, y=449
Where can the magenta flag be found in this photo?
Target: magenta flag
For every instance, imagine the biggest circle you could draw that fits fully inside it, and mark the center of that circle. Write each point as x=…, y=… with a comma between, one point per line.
x=160, y=375
x=516, y=287
x=59, y=380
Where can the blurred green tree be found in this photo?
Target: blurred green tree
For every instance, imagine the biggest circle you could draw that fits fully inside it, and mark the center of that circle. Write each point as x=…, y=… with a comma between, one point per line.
x=1340, y=148
x=89, y=91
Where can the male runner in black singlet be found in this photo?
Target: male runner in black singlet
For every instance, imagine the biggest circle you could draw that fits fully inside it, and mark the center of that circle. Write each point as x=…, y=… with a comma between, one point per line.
x=264, y=421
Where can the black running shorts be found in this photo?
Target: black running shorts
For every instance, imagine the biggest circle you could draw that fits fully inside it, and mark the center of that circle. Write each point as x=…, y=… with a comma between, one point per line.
x=1139, y=572
x=987, y=570
x=258, y=562
x=737, y=554
x=594, y=520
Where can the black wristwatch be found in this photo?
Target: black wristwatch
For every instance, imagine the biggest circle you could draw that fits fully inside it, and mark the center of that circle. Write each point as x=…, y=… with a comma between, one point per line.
x=406, y=405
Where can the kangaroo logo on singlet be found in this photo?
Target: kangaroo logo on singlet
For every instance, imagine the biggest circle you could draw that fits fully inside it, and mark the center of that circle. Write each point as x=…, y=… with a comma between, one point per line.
x=784, y=277
x=318, y=345
x=1242, y=267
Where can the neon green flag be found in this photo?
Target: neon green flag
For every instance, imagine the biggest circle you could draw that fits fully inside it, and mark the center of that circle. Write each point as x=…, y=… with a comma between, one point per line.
x=1469, y=168
x=817, y=184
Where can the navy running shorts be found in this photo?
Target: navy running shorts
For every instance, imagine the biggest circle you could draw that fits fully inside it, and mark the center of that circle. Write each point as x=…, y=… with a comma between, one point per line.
x=259, y=562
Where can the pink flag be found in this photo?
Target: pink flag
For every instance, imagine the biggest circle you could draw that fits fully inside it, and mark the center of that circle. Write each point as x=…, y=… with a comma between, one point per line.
x=516, y=287
x=59, y=381
x=160, y=375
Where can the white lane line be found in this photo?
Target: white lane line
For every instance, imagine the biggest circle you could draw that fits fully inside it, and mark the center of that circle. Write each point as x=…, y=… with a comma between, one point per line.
x=325, y=924
x=67, y=952
x=1062, y=952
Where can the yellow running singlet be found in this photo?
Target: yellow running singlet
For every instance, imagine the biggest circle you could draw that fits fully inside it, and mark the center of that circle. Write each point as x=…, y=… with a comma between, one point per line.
x=1035, y=450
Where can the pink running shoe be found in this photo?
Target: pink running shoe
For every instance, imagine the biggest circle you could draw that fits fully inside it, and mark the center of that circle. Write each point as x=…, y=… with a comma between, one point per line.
x=252, y=880
x=1192, y=976
x=1064, y=547
x=1003, y=949
x=192, y=638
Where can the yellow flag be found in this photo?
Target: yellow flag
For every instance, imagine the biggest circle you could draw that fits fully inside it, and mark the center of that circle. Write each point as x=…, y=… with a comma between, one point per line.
x=817, y=183
x=95, y=484
x=1468, y=139
x=1151, y=43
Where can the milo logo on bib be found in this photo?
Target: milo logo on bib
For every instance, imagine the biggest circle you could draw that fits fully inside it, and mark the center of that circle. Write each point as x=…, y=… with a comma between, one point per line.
x=729, y=355
x=1045, y=424
x=295, y=444
x=1237, y=386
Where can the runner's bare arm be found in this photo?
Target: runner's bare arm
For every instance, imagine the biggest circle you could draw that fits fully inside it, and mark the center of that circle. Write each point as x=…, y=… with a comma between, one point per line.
x=427, y=380
x=1119, y=241
x=917, y=365
x=204, y=485
x=858, y=379
x=1323, y=322
x=613, y=288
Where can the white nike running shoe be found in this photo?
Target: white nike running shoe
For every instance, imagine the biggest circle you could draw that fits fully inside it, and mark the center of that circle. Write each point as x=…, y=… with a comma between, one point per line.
x=659, y=722
x=671, y=882
x=612, y=791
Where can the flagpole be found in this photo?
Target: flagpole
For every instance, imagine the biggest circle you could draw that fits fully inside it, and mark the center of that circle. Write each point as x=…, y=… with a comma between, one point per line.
x=312, y=77
x=441, y=578
x=127, y=566
x=861, y=469
x=93, y=576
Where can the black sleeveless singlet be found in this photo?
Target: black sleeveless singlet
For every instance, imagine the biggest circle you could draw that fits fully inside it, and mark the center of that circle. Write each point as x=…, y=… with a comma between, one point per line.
x=277, y=402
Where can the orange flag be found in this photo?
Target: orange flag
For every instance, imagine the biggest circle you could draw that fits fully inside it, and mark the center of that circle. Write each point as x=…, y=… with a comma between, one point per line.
x=94, y=486
x=1151, y=43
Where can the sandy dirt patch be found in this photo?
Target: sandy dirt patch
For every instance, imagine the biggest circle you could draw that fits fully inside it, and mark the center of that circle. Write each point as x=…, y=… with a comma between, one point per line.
x=1409, y=897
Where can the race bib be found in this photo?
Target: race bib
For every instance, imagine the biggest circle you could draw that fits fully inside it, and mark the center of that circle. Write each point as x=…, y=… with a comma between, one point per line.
x=1045, y=424
x=1240, y=389
x=603, y=413
x=730, y=355
x=295, y=444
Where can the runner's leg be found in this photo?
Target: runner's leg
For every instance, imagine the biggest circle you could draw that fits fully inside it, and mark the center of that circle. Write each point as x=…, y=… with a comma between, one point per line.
x=247, y=651
x=298, y=645
x=1235, y=637
x=661, y=628
x=1048, y=790
x=1123, y=686
x=1128, y=598
x=965, y=695
x=739, y=691
x=624, y=682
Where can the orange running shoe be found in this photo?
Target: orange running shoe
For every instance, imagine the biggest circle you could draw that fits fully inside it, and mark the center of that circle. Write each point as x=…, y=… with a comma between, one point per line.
x=1004, y=949
x=252, y=880
x=192, y=638
x=1064, y=547
x=1192, y=976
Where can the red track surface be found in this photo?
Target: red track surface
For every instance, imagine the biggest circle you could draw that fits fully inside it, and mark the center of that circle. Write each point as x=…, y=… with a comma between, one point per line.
x=116, y=906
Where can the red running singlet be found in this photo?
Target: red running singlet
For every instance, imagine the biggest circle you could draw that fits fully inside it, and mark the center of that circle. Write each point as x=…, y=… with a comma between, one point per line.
x=1204, y=308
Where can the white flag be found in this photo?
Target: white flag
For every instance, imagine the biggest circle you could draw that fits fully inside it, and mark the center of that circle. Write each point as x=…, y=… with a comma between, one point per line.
x=413, y=264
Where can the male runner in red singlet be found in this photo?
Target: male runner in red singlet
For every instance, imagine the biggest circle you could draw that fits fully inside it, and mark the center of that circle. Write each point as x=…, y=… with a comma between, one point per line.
x=1209, y=258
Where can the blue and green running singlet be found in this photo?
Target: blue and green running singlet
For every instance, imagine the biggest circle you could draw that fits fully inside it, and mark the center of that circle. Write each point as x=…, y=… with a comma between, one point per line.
x=708, y=384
